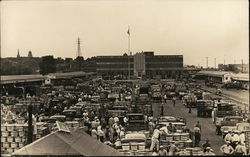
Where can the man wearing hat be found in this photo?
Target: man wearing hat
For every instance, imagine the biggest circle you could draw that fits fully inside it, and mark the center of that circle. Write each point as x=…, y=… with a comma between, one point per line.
x=235, y=139
x=228, y=137
x=240, y=149
x=209, y=151
x=173, y=149
x=242, y=137
x=206, y=145
x=226, y=149
x=162, y=151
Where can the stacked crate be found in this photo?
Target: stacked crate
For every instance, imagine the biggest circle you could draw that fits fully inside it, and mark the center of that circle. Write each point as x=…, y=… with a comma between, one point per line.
x=72, y=124
x=247, y=139
x=182, y=139
x=13, y=137
x=22, y=106
x=41, y=130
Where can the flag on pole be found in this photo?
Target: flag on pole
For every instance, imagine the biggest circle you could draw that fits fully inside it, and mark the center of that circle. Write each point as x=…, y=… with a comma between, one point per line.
x=128, y=32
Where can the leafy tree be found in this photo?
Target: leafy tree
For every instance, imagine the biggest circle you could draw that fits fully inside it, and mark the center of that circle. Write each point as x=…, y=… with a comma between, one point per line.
x=47, y=65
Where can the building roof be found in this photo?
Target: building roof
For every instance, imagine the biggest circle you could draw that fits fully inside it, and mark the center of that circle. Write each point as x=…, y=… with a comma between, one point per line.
x=59, y=143
x=5, y=79
x=241, y=77
x=213, y=73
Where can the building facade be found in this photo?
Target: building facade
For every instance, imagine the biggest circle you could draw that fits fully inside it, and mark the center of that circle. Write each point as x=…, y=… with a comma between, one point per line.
x=141, y=64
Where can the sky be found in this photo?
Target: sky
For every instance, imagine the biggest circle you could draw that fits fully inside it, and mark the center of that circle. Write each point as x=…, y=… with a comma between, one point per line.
x=195, y=29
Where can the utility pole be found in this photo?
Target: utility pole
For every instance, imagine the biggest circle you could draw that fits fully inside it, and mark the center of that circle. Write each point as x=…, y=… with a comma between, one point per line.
x=242, y=69
x=207, y=61
x=215, y=63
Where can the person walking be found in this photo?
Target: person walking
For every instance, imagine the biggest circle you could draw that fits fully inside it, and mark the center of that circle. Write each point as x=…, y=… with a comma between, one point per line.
x=197, y=135
x=174, y=100
x=162, y=109
x=198, y=125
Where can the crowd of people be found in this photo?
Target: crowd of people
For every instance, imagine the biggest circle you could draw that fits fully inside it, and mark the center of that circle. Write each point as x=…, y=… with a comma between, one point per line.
x=110, y=129
x=234, y=143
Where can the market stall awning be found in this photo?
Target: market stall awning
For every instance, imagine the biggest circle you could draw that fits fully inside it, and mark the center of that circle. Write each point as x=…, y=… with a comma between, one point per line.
x=60, y=143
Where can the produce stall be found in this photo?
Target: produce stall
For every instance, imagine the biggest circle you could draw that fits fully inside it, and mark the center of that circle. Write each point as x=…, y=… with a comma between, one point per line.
x=196, y=151
x=182, y=139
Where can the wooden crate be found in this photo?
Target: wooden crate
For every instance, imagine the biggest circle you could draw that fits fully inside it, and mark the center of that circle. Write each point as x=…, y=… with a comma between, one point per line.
x=24, y=139
x=19, y=128
x=20, y=144
x=5, y=134
x=3, y=139
x=10, y=139
x=176, y=137
x=13, y=144
x=18, y=139
x=14, y=133
x=10, y=127
x=38, y=136
x=184, y=137
x=6, y=144
x=20, y=121
x=3, y=128
x=9, y=150
x=20, y=133
x=247, y=139
x=169, y=138
x=2, y=149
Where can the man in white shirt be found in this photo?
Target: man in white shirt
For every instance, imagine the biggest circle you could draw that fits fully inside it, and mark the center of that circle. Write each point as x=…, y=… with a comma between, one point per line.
x=240, y=150
x=116, y=119
x=226, y=149
x=155, y=139
x=228, y=137
x=242, y=138
x=235, y=140
x=125, y=120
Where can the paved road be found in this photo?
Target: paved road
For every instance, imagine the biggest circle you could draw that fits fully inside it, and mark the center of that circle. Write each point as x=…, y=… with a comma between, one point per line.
x=207, y=126
x=239, y=95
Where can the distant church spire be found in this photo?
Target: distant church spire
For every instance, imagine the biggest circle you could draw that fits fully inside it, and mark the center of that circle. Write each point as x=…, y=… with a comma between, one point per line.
x=30, y=54
x=18, y=54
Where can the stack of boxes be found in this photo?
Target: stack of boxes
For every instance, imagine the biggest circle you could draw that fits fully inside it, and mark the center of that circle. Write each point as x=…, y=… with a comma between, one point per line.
x=72, y=124
x=22, y=106
x=13, y=137
x=182, y=139
x=41, y=130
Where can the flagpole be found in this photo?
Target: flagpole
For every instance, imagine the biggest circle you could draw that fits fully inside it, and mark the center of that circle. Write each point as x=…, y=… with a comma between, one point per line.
x=129, y=53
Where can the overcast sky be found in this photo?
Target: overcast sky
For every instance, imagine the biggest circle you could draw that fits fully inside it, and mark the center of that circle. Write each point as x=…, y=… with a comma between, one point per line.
x=194, y=28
